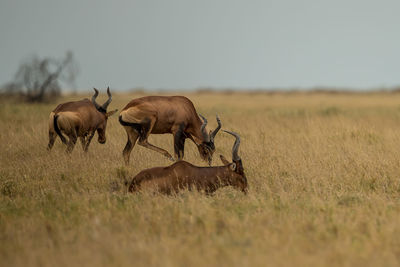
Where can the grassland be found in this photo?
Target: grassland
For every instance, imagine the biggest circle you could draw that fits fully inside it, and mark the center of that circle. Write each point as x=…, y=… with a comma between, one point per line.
x=323, y=171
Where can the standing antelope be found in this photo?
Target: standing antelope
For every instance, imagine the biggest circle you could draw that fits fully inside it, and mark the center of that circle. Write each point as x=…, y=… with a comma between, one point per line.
x=79, y=119
x=166, y=114
x=183, y=175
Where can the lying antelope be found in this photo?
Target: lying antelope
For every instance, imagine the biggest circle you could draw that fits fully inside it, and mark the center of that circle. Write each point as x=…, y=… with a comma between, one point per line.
x=166, y=114
x=79, y=119
x=183, y=175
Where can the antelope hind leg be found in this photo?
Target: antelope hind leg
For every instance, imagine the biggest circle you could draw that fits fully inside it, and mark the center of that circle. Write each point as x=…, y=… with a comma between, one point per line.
x=146, y=130
x=132, y=137
x=71, y=143
x=52, y=139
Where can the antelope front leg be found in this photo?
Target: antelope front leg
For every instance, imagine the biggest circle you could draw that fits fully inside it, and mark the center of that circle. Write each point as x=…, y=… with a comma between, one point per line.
x=179, y=142
x=89, y=139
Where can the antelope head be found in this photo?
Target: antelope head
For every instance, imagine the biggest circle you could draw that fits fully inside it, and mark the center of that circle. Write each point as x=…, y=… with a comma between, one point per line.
x=207, y=147
x=235, y=175
x=101, y=130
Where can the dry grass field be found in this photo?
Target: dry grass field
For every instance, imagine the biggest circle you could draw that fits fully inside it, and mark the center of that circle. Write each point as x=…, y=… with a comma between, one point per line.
x=324, y=188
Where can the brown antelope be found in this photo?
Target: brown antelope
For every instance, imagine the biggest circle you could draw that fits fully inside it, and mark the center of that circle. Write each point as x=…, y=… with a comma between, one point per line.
x=79, y=119
x=166, y=114
x=183, y=175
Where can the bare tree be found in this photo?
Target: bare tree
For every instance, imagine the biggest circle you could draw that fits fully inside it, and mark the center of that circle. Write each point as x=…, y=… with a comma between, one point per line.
x=39, y=80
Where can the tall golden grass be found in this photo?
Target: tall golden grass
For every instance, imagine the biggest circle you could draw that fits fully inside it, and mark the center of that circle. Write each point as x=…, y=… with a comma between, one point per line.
x=323, y=171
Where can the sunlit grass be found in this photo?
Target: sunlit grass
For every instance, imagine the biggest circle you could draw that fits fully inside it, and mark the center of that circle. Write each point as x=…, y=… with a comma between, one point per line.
x=323, y=172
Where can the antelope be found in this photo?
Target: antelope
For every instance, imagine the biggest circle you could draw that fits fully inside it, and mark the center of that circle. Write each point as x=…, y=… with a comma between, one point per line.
x=79, y=119
x=166, y=114
x=183, y=175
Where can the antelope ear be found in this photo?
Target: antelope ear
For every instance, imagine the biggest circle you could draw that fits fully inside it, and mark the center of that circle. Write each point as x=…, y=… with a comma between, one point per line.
x=224, y=161
x=232, y=166
x=108, y=114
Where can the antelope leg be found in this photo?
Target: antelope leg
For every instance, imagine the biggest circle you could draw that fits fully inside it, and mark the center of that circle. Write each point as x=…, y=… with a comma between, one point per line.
x=83, y=142
x=71, y=143
x=89, y=139
x=179, y=142
x=52, y=139
x=146, y=130
x=146, y=144
x=132, y=137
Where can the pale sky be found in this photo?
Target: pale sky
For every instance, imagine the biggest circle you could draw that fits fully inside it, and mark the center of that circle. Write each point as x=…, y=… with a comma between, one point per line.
x=185, y=44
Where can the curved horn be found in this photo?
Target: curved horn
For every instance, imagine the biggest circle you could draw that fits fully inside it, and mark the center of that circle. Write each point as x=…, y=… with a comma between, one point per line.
x=214, y=133
x=235, y=147
x=203, y=129
x=96, y=93
x=105, y=105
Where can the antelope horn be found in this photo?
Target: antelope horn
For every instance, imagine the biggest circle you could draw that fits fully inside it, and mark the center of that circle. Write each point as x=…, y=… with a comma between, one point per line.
x=105, y=105
x=216, y=129
x=235, y=147
x=203, y=129
x=96, y=93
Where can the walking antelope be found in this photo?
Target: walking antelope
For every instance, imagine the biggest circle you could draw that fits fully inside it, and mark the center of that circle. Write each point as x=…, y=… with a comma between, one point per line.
x=182, y=174
x=79, y=119
x=166, y=114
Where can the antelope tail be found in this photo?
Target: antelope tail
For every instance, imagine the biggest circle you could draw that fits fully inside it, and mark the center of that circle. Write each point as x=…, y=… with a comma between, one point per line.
x=58, y=130
x=135, y=126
